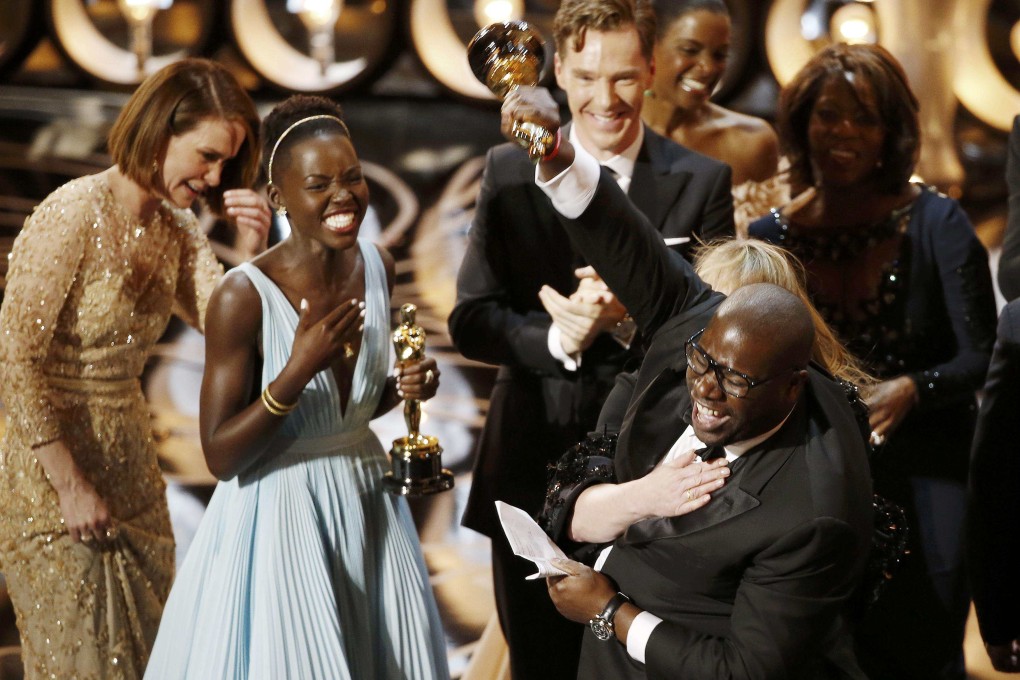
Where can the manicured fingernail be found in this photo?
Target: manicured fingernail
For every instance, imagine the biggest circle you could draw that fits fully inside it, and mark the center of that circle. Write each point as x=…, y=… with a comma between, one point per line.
x=304, y=304
x=361, y=305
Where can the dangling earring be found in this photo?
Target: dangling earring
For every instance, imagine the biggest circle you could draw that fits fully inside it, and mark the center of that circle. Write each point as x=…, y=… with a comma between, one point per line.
x=155, y=167
x=281, y=211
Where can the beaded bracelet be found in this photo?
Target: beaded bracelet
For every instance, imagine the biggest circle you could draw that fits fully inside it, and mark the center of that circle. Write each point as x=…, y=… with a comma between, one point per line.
x=275, y=407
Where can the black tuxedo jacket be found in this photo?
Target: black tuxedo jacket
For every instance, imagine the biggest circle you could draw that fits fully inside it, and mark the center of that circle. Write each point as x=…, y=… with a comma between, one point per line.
x=754, y=584
x=537, y=409
x=993, y=539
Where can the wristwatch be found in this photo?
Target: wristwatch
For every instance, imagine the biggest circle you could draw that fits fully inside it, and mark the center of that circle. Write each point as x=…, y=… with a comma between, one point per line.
x=602, y=624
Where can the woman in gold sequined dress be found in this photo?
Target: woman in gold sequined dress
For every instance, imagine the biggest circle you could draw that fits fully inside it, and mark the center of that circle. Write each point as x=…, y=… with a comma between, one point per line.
x=100, y=266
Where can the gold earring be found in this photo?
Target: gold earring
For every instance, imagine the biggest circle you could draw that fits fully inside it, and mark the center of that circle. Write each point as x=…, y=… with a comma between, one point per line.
x=155, y=167
x=281, y=211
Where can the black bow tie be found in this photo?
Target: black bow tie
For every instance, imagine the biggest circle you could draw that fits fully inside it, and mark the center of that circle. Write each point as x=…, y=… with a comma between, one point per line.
x=710, y=453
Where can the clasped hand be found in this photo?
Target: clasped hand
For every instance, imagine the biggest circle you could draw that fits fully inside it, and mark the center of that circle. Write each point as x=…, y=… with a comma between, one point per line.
x=250, y=212
x=888, y=403
x=526, y=104
x=581, y=595
x=590, y=310
x=418, y=380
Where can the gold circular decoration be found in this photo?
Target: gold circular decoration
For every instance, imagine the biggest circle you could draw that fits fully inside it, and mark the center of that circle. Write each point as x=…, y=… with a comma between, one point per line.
x=978, y=83
x=272, y=41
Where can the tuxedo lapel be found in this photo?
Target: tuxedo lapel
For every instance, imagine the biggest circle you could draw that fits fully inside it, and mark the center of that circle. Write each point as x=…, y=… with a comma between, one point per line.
x=729, y=502
x=654, y=421
x=654, y=188
x=750, y=474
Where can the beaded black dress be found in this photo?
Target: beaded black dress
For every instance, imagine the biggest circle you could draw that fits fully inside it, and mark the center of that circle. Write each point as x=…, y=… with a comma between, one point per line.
x=911, y=295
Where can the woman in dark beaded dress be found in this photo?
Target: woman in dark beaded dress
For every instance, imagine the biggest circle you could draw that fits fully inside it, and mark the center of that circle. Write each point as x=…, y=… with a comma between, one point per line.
x=898, y=272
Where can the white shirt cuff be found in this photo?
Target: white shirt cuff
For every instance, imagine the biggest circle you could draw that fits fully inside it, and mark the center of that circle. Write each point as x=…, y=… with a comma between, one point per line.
x=572, y=190
x=556, y=349
x=640, y=630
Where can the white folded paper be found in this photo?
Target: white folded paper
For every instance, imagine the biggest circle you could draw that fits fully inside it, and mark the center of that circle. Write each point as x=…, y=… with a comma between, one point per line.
x=527, y=540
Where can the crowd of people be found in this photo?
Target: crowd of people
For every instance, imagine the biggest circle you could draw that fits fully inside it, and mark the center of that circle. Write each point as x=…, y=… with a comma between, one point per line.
x=766, y=335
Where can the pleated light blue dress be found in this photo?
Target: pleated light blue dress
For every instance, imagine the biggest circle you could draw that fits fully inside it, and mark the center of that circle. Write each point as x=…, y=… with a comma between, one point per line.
x=305, y=567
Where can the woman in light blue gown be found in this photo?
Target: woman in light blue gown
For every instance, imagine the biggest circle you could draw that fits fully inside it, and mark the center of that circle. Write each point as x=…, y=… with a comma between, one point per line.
x=304, y=567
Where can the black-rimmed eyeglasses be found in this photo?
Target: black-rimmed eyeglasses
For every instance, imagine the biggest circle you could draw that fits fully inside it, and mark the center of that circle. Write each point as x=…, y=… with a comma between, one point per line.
x=732, y=382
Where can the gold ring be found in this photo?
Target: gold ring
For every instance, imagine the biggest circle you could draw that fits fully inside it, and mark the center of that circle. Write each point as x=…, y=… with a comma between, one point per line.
x=688, y=494
x=429, y=376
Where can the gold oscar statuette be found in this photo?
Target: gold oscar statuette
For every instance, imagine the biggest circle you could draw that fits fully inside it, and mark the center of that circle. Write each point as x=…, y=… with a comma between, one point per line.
x=506, y=55
x=416, y=465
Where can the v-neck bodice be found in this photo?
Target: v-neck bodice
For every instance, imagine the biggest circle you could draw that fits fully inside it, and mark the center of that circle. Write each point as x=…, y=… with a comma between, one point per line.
x=320, y=411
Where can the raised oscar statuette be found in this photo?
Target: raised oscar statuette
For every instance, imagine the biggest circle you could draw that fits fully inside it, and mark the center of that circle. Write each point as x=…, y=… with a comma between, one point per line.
x=506, y=55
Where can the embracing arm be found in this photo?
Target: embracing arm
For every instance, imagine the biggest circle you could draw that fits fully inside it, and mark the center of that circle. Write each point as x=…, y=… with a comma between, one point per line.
x=604, y=511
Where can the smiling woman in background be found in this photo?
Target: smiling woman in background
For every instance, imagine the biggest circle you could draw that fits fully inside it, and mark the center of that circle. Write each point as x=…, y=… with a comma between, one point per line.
x=692, y=47
x=898, y=272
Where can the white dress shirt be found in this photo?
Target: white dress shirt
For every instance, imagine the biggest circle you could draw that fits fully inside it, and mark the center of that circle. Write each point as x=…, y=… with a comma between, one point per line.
x=622, y=167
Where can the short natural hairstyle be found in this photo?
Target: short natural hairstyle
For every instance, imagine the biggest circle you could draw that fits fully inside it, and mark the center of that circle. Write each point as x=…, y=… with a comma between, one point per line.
x=866, y=68
x=292, y=110
x=731, y=264
x=776, y=318
x=575, y=17
x=174, y=101
x=668, y=11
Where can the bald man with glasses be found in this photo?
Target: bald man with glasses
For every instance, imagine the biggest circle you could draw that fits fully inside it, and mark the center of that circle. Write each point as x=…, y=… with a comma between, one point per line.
x=755, y=582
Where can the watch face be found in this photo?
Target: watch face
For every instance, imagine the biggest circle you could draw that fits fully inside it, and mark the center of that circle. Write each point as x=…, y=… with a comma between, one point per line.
x=603, y=629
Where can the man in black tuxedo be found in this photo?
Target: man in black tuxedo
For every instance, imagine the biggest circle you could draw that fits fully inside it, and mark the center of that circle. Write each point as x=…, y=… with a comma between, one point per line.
x=755, y=583
x=993, y=532
x=518, y=305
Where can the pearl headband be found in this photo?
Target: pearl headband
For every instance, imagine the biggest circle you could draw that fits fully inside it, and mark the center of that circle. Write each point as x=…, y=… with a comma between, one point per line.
x=294, y=125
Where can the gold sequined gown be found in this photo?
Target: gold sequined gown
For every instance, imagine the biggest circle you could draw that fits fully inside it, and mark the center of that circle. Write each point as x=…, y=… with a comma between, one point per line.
x=89, y=291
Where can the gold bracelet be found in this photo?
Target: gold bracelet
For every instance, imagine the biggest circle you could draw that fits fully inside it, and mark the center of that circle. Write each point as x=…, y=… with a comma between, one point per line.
x=275, y=407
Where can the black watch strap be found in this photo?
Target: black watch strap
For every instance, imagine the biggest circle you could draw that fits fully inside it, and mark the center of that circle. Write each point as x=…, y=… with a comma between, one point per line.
x=614, y=604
